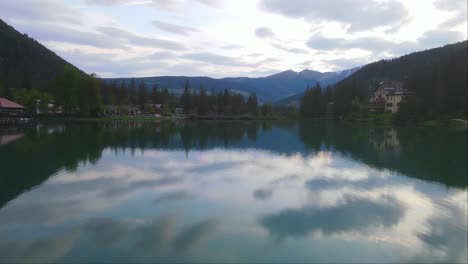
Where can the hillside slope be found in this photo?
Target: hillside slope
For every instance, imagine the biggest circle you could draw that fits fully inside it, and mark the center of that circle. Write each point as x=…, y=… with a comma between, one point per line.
x=438, y=77
x=24, y=62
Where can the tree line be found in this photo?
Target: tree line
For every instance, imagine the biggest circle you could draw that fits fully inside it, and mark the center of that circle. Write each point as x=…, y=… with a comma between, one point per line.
x=191, y=101
x=79, y=93
x=314, y=102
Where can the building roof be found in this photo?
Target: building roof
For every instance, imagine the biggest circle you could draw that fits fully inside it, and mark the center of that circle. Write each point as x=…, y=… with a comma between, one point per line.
x=5, y=103
x=400, y=92
x=4, y=139
x=391, y=84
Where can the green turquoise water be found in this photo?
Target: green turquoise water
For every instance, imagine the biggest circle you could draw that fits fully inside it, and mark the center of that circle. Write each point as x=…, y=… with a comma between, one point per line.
x=279, y=191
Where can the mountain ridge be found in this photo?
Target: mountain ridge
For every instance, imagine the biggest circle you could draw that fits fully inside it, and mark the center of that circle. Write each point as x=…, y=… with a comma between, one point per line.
x=268, y=88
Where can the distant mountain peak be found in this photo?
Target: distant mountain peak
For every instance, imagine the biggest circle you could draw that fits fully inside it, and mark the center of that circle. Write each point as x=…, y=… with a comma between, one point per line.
x=308, y=71
x=284, y=74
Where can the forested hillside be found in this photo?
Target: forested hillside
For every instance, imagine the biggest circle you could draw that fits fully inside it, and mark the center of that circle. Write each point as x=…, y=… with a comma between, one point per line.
x=437, y=76
x=25, y=63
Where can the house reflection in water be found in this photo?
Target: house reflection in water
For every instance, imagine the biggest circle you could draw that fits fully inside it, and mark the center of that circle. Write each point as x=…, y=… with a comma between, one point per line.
x=5, y=139
x=386, y=142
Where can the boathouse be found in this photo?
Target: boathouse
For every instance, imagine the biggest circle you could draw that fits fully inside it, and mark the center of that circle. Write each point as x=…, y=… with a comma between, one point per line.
x=10, y=109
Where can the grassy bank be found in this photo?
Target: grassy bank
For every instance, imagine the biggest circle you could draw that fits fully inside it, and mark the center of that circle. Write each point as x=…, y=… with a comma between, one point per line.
x=153, y=118
x=383, y=119
x=387, y=119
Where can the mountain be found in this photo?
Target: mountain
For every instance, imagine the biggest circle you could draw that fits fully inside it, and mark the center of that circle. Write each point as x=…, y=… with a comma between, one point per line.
x=325, y=79
x=24, y=62
x=268, y=89
x=293, y=100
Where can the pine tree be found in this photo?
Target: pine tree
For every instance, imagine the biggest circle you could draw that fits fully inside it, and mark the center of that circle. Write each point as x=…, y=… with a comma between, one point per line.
x=186, y=98
x=252, y=104
x=142, y=94
x=132, y=93
x=155, y=94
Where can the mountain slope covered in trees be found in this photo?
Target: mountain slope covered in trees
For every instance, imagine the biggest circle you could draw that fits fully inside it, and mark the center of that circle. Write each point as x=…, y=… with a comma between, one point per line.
x=25, y=63
x=437, y=77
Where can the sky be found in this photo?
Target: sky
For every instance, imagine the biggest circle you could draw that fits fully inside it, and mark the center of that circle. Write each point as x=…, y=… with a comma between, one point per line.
x=226, y=38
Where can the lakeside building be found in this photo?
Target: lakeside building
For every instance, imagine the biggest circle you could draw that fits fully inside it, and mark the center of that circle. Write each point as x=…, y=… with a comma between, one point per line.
x=5, y=139
x=387, y=97
x=51, y=108
x=10, y=109
x=157, y=109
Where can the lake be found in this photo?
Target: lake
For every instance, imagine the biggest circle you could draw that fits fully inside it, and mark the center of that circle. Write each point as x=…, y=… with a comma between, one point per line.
x=232, y=191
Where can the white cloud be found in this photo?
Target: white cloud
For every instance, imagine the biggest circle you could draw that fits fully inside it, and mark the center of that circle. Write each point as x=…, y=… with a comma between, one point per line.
x=215, y=37
x=172, y=28
x=357, y=15
x=264, y=32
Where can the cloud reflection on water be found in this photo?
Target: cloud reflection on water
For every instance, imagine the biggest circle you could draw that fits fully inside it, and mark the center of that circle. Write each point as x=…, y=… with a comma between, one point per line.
x=301, y=196
x=351, y=214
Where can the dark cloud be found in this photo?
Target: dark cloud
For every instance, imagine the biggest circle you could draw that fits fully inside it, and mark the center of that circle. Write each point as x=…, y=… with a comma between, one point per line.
x=264, y=32
x=330, y=184
x=40, y=212
x=352, y=214
x=172, y=196
x=50, y=32
x=192, y=235
x=108, y=37
x=133, y=39
x=106, y=231
x=447, y=232
x=457, y=8
x=358, y=15
x=345, y=63
x=124, y=189
x=262, y=194
x=232, y=47
x=286, y=179
x=155, y=43
x=162, y=55
x=155, y=237
x=32, y=10
x=444, y=236
x=216, y=59
x=289, y=49
x=366, y=43
x=38, y=250
x=103, y=62
x=160, y=4
x=451, y=5
x=429, y=39
x=172, y=28
x=105, y=2
x=115, y=32
x=440, y=37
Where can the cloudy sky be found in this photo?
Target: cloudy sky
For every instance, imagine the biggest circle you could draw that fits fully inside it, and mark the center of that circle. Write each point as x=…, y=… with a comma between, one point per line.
x=218, y=38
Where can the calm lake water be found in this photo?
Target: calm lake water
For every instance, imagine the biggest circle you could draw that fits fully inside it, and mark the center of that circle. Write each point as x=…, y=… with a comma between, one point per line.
x=281, y=191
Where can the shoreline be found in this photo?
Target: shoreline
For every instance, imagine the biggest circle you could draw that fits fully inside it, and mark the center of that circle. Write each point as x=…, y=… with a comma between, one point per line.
x=435, y=123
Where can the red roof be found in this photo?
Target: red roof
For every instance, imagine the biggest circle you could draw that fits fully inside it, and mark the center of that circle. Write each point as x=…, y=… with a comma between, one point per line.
x=5, y=103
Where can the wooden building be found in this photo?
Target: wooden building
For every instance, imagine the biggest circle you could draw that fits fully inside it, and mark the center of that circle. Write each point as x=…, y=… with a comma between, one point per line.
x=10, y=109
